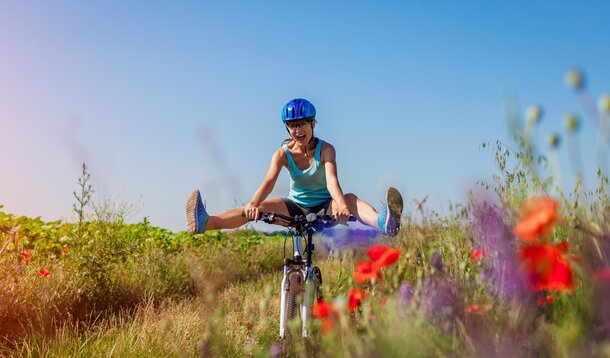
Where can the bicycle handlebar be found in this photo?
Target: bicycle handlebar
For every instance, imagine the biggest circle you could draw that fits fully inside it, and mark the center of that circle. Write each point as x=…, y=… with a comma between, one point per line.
x=310, y=219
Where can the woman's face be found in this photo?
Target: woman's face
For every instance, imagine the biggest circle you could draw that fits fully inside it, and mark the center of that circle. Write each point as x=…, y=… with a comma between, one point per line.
x=301, y=131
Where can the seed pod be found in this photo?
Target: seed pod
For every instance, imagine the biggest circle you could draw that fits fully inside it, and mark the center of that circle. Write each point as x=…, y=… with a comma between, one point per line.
x=603, y=104
x=554, y=140
x=572, y=123
x=533, y=114
x=574, y=79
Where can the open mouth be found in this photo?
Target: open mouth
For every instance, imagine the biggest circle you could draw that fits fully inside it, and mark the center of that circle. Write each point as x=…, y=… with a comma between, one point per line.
x=301, y=137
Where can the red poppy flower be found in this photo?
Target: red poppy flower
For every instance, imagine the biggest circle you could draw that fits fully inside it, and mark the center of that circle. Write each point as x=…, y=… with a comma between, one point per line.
x=474, y=308
x=478, y=309
x=43, y=273
x=376, y=251
x=64, y=251
x=478, y=255
x=386, y=259
x=538, y=215
x=26, y=256
x=356, y=297
x=321, y=309
x=546, y=267
x=382, y=302
x=547, y=300
x=327, y=312
x=365, y=272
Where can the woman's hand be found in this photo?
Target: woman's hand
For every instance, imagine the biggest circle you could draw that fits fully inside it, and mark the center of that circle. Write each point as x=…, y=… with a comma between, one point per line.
x=342, y=215
x=251, y=212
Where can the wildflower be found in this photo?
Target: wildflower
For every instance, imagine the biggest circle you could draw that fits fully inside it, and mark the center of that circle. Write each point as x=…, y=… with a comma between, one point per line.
x=365, y=272
x=538, y=215
x=533, y=114
x=64, y=251
x=478, y=255
x=436, y=261
x=554, y=140
x=603, y=104
x=572, y=123
x=386, y=259
x=376, y=251
x=356, y=297
x=546, y=267
x=573, y=78
x=43, y=273
x=26, y=256
x=275, y=351
x=327, y=312
x=547, y=300
x=478, y=309
x=406, y=292
x=474, y=308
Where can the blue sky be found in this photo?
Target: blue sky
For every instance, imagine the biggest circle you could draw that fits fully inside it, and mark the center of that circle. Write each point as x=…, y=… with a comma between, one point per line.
x=160, y=98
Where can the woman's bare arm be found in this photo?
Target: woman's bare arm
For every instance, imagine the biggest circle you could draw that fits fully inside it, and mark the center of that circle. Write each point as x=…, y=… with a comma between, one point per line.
x=277, y=162
x=328, y=157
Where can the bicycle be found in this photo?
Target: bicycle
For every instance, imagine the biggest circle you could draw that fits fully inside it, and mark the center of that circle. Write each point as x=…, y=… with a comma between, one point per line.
x=300, y=278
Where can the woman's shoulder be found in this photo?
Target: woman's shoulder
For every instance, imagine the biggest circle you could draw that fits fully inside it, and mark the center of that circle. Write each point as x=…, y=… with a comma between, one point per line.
x=326, y=146
x=280, y=156
x=327, y=152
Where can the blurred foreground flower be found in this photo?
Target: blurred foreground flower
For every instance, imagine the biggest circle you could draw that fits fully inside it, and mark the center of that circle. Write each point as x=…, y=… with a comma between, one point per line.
x=381, y=256
x=356, y=297
x=43, y=273
x=547, y=300
x=546, y=267
x=389, y=257
x=478, y=309
x=538, y=215
x=478, y=255
x=327, y=312
x=364, y=272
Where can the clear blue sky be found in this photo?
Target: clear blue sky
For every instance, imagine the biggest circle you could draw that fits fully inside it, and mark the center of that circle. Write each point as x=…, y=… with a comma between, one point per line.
x=160, y=98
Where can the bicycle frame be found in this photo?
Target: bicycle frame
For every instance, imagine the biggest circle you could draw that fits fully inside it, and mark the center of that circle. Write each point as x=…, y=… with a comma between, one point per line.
x=303, y=267
x=299, y=264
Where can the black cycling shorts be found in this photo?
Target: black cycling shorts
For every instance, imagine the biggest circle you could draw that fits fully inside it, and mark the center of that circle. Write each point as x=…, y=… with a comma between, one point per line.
x=296, y=209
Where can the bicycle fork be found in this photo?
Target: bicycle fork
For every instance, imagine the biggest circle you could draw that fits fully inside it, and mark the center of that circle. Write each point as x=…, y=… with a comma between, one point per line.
x=312, y=279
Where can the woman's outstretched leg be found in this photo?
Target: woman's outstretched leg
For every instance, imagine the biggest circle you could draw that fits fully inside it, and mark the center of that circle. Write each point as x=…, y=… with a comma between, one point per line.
x=388, y=221
x=198, y=220
x=233, y=218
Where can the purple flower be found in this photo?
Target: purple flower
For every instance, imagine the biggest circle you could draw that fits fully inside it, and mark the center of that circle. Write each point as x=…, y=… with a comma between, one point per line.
x=406, y=292
x=495, y=235
x=203, y=347
x=276, y=350
x=437, y=262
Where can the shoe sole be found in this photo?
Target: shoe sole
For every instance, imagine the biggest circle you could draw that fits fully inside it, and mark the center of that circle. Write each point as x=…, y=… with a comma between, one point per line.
x=395, y=206
x=191, y=213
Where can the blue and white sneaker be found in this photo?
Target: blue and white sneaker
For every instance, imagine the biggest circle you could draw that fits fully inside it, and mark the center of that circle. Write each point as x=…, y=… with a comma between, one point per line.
x=196, y=216
x=389, y=216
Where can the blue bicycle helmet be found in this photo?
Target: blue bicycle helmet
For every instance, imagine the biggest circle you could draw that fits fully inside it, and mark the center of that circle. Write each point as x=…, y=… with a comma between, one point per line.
x=298, y=109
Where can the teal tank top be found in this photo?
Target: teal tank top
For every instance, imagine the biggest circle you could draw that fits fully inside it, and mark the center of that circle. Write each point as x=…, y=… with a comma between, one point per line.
x=308, y=187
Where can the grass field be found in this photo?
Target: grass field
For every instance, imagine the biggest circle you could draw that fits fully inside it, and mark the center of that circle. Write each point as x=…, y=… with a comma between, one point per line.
x=521, y=269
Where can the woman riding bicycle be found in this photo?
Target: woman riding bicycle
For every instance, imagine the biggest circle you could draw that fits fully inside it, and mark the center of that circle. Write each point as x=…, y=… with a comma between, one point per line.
x=314, y=186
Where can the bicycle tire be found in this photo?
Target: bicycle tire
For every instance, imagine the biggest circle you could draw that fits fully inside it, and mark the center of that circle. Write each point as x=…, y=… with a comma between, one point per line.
x=295, y=288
